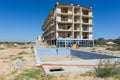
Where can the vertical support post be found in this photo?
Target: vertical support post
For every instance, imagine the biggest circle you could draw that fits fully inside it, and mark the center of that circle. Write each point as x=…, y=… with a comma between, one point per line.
x=56, y=43
x=93, y=43
x=73, y=22
x=65, y=44
x=81, y=35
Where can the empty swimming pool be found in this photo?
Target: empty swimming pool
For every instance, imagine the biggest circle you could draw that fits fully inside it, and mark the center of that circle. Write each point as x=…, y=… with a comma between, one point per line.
x=66, y=54
x=69, y=60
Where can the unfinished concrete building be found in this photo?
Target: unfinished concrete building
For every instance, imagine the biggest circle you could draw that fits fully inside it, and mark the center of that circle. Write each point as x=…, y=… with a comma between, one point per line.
x=69, y=24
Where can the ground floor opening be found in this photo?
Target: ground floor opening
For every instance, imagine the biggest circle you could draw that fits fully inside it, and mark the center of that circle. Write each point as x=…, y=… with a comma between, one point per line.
x=69, y=43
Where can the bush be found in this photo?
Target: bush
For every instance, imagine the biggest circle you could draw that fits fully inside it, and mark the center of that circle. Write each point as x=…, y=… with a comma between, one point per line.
x=1, y=48
x=108, y=71
x=21, y=53
x=116, y=45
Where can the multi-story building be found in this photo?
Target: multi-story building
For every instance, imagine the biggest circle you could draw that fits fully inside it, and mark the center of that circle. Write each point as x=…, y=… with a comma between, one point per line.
x=69, y=24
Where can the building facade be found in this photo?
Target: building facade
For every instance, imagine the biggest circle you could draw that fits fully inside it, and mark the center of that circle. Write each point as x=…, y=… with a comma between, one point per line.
x=39, y=38
x=69, y=24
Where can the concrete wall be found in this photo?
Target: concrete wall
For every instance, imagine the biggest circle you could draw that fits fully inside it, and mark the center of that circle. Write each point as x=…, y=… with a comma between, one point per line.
x=53, y=51
x=70, y=10
x=67, y=51
x=58, y=18
x=58, y=10
x=70, y=19
x=89, y=55
x=90, y=36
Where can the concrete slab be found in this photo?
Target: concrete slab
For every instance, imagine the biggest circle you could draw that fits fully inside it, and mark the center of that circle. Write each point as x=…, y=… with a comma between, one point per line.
x=79, y=67
x=67, y=69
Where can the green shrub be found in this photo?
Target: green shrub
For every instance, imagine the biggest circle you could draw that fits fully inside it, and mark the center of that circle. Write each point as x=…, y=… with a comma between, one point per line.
x=116, y=45
x=18, y=57
x=21, y=53
x=1, y=78
x=107, y=71
x=1, y=48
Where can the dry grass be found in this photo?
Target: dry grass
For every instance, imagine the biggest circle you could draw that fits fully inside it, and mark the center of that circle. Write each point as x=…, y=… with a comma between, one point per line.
x=33, y=74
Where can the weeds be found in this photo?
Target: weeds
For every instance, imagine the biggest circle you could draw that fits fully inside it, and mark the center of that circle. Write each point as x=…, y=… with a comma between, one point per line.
x=21, y=53
x=18, y=57
x=1, y=48
x=33, y=74
x=108, y=71
x=87, y=74
x=1, y=78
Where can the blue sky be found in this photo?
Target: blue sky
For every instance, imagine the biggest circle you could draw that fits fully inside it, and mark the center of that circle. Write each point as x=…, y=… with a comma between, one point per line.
x=21, y=20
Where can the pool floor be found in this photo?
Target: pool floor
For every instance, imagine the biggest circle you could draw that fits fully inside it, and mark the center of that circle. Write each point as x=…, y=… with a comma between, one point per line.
x=60, y=58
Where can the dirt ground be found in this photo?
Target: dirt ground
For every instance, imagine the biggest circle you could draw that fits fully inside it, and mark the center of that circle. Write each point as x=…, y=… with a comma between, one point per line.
x=101, y=50
x=11, y=61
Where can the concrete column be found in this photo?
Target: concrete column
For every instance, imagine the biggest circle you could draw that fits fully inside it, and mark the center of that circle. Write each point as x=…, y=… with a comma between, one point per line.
x=55, y=17
x=73, y=23
x=81, y=23
x=65, y=44
x=93, y=43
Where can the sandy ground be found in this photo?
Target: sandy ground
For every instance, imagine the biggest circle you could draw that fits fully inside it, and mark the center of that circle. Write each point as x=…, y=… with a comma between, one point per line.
x=101, y=50
x=10, y=61
x=60, y=57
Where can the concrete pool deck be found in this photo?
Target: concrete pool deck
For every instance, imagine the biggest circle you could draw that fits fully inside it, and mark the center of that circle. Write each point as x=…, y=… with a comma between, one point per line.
x=85, y=61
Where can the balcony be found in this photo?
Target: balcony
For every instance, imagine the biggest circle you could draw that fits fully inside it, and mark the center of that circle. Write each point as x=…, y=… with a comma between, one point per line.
x=87, y=13
x=65, y=29
x=63, y=35
x=50, y=26
x=76, y=20
x=64, y=19
x=50, y=31
x=77, y=11
x=64, y=10
x=85, y=37
x=85, y=28
x=85, y=21
x=77, y=35
x=76, y=28
x=50, y=37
